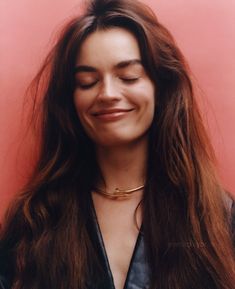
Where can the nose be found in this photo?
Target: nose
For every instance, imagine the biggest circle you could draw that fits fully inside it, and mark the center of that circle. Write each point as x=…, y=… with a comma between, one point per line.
x=109, y=90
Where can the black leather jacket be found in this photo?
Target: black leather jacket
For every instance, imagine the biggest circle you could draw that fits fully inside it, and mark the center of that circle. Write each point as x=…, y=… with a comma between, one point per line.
x=138, y=273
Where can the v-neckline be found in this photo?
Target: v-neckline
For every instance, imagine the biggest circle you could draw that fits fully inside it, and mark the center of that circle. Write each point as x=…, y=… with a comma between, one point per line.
x=105, y=255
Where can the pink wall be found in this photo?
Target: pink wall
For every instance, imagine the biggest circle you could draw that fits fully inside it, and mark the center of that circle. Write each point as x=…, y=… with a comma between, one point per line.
x=204, y=29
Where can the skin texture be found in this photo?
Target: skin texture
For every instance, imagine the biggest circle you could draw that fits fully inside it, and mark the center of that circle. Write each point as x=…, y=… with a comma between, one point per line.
x=115, y=102
x=113, y=85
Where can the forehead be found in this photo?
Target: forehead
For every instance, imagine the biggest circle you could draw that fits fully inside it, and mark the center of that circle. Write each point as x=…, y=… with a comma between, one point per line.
x=108, y=47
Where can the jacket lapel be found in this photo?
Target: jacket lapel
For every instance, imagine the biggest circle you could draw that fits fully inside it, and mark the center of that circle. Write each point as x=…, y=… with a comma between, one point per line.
x=138, y=272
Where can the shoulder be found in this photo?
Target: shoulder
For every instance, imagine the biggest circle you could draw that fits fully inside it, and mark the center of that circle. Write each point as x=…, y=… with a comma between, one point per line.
x=4, y=277
x=6, y=269
x=3, y=283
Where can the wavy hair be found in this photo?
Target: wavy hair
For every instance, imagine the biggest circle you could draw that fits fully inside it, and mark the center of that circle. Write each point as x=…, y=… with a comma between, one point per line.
x=186, y=225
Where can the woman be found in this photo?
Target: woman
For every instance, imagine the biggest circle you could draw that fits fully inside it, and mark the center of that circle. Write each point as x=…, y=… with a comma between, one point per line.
x=124, y=194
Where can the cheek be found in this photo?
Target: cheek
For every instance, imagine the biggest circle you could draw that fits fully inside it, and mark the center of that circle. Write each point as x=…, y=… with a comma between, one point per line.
x=148, y=104
x=80, y=107
x=81, y=103
x=150, y=96
x=144, y=96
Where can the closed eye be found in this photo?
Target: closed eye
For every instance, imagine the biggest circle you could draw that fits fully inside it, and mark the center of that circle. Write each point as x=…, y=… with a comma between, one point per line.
x=129, y=80
x=87, y=86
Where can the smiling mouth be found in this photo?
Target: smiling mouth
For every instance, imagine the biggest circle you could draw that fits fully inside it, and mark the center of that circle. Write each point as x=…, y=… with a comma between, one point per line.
x=112, y=114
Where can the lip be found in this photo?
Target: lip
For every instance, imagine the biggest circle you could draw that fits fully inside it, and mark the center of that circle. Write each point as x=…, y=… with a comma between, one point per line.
x=111, y=114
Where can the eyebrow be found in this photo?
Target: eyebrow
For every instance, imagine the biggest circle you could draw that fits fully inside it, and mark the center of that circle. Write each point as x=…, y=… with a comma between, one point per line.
x=126, y=63
x=122, y=64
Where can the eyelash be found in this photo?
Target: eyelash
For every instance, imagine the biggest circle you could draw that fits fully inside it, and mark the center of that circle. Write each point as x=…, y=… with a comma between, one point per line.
x=130, y=80
x=87, y=86
x=126, y=80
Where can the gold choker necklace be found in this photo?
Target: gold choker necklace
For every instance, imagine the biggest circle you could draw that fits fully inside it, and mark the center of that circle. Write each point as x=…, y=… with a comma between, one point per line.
x=118, y=194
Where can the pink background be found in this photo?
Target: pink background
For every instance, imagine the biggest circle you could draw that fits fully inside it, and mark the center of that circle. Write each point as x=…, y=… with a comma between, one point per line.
x=204, y=30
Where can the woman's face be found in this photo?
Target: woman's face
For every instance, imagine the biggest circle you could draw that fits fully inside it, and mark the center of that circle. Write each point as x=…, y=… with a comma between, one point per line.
x=114, y=97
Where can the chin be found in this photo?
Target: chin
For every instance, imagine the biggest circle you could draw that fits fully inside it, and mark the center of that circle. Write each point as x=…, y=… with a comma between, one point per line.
x=109, y=143
x=119, y=141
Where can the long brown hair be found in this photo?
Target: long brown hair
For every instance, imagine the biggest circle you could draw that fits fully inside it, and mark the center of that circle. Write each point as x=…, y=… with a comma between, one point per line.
x=185, y=220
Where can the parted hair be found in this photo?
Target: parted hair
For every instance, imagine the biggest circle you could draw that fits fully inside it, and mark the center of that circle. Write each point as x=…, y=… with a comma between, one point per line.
x=186, y=223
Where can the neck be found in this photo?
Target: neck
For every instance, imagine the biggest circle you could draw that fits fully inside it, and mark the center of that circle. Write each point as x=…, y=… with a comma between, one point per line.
x=122, y=167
